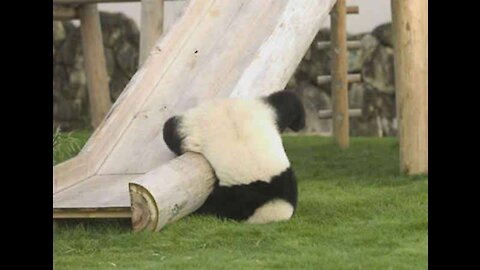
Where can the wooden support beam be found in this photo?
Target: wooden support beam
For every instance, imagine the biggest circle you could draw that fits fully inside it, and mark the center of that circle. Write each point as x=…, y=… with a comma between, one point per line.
x=353, y=10
x=95, y=65
x=119, y=212
x=352, y=45
x=351, y=78
x=62, y=13
x=151, y=27
x=410, y=28
x=327, y=114
x=170, y=192
x=339, y=71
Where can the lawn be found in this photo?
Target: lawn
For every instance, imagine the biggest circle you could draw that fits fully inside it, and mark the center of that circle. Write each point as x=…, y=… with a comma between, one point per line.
x=355, y=212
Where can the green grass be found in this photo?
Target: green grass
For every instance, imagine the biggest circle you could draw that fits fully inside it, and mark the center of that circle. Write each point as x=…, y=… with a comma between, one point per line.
x=67, y=145
x=355, y=212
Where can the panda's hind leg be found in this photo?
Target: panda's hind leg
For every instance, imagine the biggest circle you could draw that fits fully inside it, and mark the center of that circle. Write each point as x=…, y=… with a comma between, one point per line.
x=171, y=134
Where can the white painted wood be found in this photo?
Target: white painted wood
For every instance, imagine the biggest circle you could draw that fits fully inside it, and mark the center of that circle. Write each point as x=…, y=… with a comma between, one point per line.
x=235, y=58
x=170, y=192
x=100, y=191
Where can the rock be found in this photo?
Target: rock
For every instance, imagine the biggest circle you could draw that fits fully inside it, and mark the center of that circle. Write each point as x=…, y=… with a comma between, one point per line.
x=121, y=38
x=58, y=32
x=127, y=58
x=314, y=100
x=110, y=61
x=355, y=95
x=378, y=69
x=384, y=34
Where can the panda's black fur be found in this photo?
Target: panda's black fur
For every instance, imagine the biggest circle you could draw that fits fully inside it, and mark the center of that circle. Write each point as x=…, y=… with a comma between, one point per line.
x=262, y=199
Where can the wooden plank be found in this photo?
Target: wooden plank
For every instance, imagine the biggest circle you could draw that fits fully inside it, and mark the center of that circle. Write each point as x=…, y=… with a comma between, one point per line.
x=95, y=65
x=151, y=26
x=327, y=114
x=352, y=45
x=100, y=191
x=410, y=28
x=351, y=78
x=339, y=74
x=70, y=172
x=170, y=192
x=64, y=13
x=70, y=213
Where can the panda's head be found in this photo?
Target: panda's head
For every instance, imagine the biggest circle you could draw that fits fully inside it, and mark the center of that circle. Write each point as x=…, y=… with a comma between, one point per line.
x=289, y=109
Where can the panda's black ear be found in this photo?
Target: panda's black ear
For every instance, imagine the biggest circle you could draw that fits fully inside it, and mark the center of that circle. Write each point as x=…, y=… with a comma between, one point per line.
x=171, y=135
x=299, y=122
x=289, y=109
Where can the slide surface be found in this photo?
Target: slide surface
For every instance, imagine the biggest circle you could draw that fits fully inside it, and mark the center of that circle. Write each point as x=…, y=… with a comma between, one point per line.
x=218, y=48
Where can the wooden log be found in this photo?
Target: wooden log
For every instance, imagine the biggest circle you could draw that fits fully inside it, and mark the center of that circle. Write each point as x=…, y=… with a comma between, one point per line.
x=151, y=27
x=410, y=28
x=64, y=13
x=353, y=45
x=95, y=65
x=327, y=114
x=339, y=64
x=351, y=78
x=170, y=192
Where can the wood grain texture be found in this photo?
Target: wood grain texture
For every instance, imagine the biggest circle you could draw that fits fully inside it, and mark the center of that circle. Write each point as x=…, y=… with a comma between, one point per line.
x=410, y=28
x=170, y=192
x=96, y=192
x=95, y=65
x=69, y=173
x=339, y=83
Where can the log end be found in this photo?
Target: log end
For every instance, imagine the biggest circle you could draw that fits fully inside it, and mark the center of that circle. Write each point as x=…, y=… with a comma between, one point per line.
x=143, y=207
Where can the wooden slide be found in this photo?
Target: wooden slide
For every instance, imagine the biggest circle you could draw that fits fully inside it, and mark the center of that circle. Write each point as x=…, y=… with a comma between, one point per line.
x=217, y=48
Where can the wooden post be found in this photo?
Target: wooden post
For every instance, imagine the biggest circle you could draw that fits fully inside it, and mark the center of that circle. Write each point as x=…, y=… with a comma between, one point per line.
x=95, y=66
x=410, y=28
x=170, y=192
x=64, y=13
x=351, y=78
x=151, y=27
x=339, y=73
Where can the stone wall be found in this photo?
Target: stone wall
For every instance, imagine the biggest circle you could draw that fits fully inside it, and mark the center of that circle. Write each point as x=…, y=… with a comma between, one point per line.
x=70, y=96
x=375, y=95
x=374, y=60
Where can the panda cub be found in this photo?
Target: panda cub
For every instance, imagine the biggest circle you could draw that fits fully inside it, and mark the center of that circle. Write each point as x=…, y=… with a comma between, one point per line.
x=241, y=140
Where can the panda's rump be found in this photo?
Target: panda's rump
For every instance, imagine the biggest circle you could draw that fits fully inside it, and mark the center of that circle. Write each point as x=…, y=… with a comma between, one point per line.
x=256, y=202
x=272, y=211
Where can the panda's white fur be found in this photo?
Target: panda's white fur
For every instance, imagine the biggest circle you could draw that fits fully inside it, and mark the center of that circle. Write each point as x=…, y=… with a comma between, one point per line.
x=274, y=210
x=241, y=140
x=238, y=137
